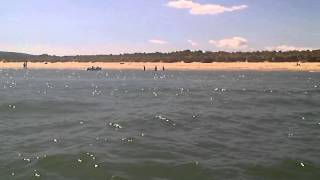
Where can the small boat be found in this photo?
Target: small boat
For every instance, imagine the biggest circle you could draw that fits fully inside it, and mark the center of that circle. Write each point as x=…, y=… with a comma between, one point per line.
x=94, y=69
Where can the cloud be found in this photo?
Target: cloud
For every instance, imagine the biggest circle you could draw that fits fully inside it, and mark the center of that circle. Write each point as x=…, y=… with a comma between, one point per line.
x=158, y=41
x=193, y=43
x=234, y=43
x=203, y=9
x=287, y=48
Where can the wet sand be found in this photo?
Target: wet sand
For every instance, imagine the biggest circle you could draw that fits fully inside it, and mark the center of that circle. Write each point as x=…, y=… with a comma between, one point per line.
x=234, y=66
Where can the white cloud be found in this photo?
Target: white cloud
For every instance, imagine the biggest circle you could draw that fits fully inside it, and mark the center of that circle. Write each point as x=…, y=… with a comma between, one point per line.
x=203, y=9
x=182, y=4
x=193, y=43
x=158, y=41
x=287, y=48
x=234, y=43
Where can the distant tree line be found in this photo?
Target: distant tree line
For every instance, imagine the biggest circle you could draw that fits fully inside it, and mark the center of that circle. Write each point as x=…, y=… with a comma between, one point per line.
x=178, y=56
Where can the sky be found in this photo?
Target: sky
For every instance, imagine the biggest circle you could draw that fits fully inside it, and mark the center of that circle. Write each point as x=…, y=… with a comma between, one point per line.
x=77, y=27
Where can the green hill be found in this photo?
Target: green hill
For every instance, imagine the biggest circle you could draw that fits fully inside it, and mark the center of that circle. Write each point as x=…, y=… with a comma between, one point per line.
x=13, y=56
x=177, y=56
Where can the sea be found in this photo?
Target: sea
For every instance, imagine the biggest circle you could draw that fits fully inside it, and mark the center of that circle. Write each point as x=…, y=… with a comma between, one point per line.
x=164, y=125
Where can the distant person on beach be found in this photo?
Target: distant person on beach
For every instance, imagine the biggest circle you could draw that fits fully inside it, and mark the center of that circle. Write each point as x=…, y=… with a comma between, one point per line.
x=144, y=68
x=155, y=68
x=162, y=68
x=25, y=64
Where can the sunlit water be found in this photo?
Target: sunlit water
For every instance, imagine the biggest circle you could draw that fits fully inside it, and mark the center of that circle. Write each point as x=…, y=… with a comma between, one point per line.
x=115, y=125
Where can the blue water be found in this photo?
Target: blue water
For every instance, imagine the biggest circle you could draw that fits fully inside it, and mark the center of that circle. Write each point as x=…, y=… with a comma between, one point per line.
x=172, y=125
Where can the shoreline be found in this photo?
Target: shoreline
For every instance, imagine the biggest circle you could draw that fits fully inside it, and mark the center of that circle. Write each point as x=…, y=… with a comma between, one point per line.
x=150, y=66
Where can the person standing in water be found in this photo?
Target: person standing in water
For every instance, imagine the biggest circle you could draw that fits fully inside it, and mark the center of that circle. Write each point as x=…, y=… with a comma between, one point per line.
x=25, y=64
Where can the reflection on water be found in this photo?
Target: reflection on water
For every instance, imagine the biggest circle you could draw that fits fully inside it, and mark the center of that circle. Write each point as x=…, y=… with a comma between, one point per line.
x=167, y=125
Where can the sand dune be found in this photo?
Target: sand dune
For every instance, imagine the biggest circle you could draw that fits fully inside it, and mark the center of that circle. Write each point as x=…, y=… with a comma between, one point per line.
x=266, y=66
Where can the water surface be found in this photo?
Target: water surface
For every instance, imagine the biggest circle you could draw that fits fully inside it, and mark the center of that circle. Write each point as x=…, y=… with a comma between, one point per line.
x=172, y=125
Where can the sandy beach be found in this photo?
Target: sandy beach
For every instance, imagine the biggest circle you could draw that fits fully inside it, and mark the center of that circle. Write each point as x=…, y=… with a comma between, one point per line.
x=235, y=66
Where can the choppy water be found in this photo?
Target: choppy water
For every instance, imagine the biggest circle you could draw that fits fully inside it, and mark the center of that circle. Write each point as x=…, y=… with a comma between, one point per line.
x=67, y=125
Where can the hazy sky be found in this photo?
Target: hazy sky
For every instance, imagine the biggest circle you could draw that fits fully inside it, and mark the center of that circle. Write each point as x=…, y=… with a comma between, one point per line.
x=68, y=27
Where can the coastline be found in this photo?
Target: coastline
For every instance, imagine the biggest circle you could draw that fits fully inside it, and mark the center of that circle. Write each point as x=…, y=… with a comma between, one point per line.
x=223, y=66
